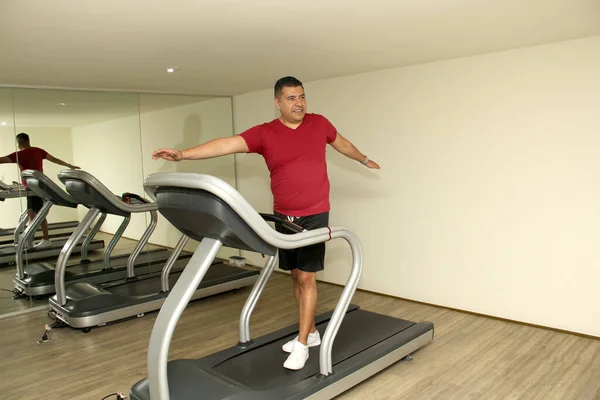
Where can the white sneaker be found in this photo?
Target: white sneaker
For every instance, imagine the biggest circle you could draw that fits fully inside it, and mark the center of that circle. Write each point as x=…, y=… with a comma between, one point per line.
x=314, y=339
x=42, y=244
x=297, y=357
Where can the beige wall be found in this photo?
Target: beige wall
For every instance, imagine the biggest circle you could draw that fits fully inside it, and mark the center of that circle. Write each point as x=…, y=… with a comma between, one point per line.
x=181, y=127
x=111, y=152
x=489, y=196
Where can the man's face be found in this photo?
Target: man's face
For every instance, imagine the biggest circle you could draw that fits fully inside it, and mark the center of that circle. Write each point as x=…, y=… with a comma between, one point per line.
x=292, y=103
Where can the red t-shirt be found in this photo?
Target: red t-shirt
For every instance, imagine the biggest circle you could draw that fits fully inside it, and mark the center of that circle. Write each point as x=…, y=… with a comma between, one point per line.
x=30, y=158
x=296, y=161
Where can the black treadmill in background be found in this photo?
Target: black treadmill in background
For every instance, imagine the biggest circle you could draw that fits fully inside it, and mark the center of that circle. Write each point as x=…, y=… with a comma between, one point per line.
x=211, y=211
x=23, y=252
x=7, y=234
x=37, y=277
x=85, y=305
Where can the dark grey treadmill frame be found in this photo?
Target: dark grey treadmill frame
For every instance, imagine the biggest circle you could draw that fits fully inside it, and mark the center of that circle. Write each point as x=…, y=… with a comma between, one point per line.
x=80, y=305
x=209, y=210
x=92, y=305
x=52, y=194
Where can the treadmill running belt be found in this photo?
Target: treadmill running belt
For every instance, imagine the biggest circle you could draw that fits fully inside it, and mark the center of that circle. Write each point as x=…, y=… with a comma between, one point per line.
x=262, y=368
x=56, y=245
x=55, y=225
x=40, y=273
x=146, y=286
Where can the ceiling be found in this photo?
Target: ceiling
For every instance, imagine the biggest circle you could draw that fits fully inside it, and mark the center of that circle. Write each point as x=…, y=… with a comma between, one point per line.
x=228, y=47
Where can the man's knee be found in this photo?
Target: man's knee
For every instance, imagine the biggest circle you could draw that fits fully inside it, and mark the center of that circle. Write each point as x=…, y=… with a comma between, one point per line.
x=306, y=279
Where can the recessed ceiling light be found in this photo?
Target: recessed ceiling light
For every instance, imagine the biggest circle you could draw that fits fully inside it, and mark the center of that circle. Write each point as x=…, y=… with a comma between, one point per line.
x=61, y=104
x=173, y=69
x=3, y=123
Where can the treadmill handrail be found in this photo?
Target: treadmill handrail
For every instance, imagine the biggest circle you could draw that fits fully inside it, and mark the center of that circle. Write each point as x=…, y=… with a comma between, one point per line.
x=56, y=194
x=286, y=223
x=23, y=218
x=141, y=243
x=113, y=199
x=65, y=253
x=12, y=194
x=28, y=235
x=15, y=186
x=165, y=323
x=238, y=203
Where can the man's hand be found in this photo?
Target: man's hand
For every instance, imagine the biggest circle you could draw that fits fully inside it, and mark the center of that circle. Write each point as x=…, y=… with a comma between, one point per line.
x=74, y=167
x=372, y=164
x=168, y=154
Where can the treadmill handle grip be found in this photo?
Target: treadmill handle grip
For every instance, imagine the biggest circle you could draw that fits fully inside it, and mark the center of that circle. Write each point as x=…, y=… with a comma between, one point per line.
x=132, y=198
x=285, y=222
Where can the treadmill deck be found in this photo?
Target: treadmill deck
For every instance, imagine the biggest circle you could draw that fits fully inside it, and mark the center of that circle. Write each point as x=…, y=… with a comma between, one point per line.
x=91, y=305
x=257, y=372
x=8, y=253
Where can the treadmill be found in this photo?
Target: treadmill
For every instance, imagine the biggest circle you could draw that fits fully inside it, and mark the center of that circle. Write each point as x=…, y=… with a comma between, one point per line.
x=85, y=305
x=11, y=235
x=13, y=192
x=208, y=209
x=37, y=278
x=14, y=253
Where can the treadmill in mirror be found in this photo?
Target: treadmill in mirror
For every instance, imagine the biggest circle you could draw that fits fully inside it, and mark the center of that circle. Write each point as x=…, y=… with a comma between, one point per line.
x=51, y=227
x=8, y=252
x=149, y=285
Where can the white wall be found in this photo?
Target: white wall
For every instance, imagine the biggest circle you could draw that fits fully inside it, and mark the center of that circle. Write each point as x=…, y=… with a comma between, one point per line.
x=181, y=127
x=489, y=196
x=111, y=151
x=57, y=142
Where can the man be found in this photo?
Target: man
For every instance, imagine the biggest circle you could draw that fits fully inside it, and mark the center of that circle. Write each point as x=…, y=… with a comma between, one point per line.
x=33, y=158
x=294, y=148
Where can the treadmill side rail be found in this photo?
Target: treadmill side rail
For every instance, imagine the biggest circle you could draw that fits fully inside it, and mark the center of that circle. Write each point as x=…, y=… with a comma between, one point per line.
x=169, y=314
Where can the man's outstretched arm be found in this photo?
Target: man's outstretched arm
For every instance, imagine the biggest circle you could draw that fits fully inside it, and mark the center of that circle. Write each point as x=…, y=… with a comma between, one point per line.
x=214, y=148
x=60, y=162
x=345, y=147
x=5, y=160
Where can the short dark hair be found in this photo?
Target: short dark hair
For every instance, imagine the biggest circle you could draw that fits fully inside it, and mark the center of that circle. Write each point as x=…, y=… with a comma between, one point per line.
x=287, y=81
x=23, y=139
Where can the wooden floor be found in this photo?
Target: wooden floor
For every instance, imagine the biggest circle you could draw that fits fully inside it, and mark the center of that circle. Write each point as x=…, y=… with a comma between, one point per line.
x=471, y=357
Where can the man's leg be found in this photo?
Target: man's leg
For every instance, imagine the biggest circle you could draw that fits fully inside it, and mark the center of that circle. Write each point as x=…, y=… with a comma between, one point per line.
x=31, y=215
x=305, y=287
x=36, y=203
x=45, y=229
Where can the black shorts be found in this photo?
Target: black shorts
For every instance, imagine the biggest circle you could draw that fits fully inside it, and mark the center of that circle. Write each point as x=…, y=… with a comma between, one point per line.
x=34, y=203
x=310, y=258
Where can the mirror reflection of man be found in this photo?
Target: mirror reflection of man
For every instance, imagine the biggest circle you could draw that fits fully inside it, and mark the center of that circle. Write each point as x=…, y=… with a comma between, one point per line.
x=29, y=157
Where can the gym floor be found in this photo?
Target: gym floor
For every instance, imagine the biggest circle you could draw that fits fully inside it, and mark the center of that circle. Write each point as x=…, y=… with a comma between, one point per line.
x=471, y=357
